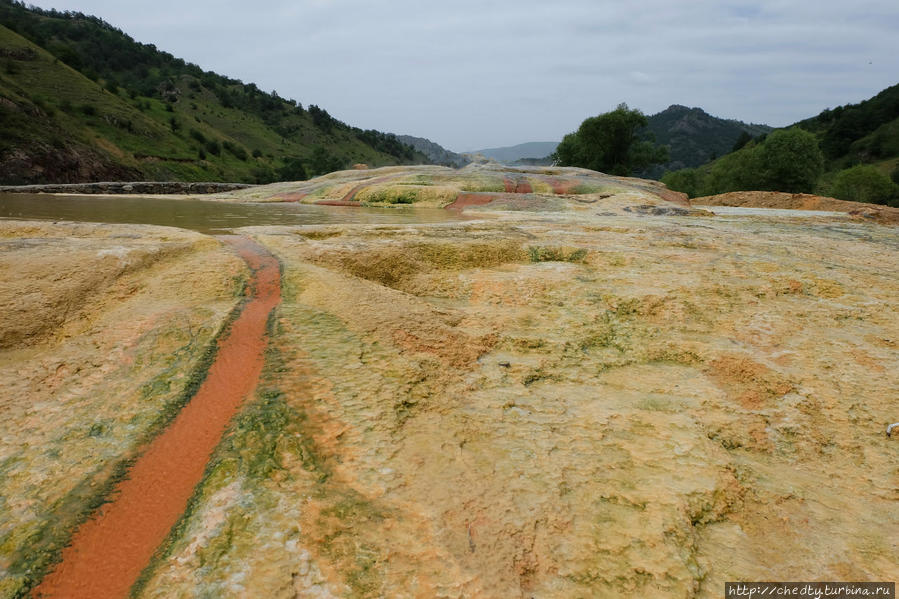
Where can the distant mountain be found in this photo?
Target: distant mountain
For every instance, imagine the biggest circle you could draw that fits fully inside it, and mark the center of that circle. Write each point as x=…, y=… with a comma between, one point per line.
x=436, y=153
x=509, y=154
x=82, y=101
x=694, y=137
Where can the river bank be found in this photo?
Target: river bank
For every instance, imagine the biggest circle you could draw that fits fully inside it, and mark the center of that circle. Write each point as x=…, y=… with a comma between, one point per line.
x=124, y=188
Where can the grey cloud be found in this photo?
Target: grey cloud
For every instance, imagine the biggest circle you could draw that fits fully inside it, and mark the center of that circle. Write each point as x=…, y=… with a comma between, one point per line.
x=484, y=73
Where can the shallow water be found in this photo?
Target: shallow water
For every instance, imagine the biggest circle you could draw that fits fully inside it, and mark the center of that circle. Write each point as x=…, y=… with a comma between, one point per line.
x=752, y=211
x=205, y=216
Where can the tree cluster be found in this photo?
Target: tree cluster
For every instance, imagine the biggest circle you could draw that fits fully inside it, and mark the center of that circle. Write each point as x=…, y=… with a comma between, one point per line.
x=787, y=160
x=611, y=143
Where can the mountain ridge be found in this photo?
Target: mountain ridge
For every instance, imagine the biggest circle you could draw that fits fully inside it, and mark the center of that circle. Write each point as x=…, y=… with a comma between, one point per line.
x=436, y=153
x=531, y=149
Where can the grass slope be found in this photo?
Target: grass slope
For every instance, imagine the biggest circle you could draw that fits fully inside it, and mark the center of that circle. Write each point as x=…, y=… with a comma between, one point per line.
x=867, y=132
x=80, y=101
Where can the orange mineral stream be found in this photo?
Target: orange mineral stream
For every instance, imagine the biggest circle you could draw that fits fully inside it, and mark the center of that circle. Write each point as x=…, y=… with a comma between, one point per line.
x=109, y=551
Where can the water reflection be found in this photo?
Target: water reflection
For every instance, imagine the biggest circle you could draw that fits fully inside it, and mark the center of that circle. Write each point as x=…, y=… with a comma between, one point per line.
x=204, y=216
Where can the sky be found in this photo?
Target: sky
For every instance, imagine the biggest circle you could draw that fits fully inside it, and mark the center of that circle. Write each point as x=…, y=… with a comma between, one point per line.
x=476, y=74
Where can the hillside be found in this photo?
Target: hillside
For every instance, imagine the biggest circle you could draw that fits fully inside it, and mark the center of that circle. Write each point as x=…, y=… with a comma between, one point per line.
x=509, y=154
x=855, y=154
x=435, y=153
x=80, y=101
x=867, y=132
x=694, y=137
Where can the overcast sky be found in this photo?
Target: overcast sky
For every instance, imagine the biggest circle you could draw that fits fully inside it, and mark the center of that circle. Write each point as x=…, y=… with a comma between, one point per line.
x=475, y=74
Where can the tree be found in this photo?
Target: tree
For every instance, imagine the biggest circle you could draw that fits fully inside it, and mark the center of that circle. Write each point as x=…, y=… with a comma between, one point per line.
x=864, y=183
x=787, y=160
x=790, y=160
x=322, y=162
x=610, y=143
x=744, y=139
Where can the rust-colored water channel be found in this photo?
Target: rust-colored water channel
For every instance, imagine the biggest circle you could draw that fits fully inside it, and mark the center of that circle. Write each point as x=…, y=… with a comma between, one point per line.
x=109, y=551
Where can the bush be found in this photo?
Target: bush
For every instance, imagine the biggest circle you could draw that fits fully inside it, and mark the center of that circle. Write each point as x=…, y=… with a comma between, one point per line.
x=864, y=183
x=213, y=147
x=322, y=162
x=688, y=181
x=787, y=160
x=89, y=109
x=293, y=170
x=198, y=135
x=790, y=161
x=556, y=254
x=237, y=151
x=895, y=175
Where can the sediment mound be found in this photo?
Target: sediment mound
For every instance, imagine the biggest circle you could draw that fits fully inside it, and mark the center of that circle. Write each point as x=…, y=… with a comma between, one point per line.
x=491, y=187
x=801, y=201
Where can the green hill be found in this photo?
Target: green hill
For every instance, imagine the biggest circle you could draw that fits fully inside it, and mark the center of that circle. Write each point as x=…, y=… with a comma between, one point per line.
x=694, y=137
x=850, y=152
x=82, y=101
x=863, y=133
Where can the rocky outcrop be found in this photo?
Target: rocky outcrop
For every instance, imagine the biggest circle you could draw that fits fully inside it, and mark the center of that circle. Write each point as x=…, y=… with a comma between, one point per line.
x=34, y=163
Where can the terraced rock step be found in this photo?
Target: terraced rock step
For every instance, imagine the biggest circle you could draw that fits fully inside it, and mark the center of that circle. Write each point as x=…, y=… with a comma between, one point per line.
x=578, y=386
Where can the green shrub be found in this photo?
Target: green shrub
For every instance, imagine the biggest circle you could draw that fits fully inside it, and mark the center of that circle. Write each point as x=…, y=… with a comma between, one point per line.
x=786, y=160
x=864, y=183
x=895, y=175
x=292, y=170
x=236, y=150
x=213, y=147
x=538, y=253
x=688, y=181
x=198, y=135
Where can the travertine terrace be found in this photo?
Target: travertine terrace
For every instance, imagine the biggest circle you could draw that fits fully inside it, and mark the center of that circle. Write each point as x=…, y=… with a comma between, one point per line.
x=587, y=387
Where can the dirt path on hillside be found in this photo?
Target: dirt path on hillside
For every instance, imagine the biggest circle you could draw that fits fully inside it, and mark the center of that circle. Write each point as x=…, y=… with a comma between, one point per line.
x=109, y=551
